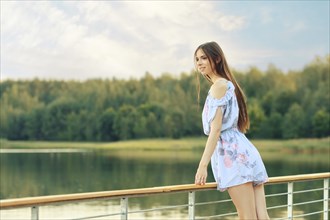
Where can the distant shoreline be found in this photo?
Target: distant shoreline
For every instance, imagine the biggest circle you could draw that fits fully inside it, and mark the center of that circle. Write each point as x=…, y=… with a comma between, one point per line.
x=190, y=143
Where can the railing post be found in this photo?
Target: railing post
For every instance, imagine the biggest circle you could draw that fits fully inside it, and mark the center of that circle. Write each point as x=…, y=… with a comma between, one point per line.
x=191, y=207
x=34, y=213
x=325, y=198
x=124, y=208
x=290, y=200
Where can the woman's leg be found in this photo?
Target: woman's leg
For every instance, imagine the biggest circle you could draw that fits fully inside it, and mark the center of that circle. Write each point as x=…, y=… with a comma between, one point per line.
x=243, y=197
x=260, y=201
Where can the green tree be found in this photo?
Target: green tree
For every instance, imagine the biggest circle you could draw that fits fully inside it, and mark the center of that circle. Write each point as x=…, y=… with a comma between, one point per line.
x=281, y=105
x=141, y=129
x=321, y=123
x=17, y=127
x=271, y=127
x=124, y=122
x=257, y=117
x=33, y=124
x=293, y=122
x=55, y=126
x=107, y=121
x=178, y=123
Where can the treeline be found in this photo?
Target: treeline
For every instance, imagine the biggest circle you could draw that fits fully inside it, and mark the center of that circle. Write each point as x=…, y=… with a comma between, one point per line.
x=281, y=105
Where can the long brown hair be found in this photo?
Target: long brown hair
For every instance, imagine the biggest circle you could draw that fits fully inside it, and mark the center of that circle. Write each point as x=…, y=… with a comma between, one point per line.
x=214, y=53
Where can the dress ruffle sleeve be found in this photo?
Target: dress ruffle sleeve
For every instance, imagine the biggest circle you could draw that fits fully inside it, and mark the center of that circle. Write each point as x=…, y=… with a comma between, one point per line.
x=212, y=104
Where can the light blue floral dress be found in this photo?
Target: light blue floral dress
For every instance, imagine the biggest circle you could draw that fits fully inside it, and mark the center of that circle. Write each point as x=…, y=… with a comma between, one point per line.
x=235, y=159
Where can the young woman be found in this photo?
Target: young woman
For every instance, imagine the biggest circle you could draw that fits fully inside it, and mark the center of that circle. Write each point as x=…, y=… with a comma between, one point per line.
x=236, y=163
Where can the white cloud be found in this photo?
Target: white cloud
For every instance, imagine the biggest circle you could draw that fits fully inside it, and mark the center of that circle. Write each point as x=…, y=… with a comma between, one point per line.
x=102, y=39
x=89, y=39
x=230, y=23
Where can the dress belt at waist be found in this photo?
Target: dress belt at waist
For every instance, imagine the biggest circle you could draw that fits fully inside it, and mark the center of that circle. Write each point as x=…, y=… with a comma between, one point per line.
x=230, y=129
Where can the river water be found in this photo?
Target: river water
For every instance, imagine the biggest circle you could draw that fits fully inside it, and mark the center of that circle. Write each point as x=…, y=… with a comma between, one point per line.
x=36, y=173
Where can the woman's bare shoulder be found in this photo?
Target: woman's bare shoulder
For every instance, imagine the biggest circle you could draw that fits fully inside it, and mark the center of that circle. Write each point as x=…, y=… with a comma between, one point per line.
x=218, y=89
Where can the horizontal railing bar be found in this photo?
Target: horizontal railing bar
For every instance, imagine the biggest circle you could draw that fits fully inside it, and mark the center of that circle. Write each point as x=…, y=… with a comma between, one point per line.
x=214, y=216
x=212, y=202
x=200, y=217
x=297, y=178
x=277, y=194
x=44, y=200
x=222, y=215
x=96, y=216
x=157, y=209
x=308, y=190
x=308, y=202
x=278, y=206
x=307, y=214
x=285, y=218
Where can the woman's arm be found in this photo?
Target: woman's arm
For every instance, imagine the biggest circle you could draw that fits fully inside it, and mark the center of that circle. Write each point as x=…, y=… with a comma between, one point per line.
x=217, y=91
x=210, y=145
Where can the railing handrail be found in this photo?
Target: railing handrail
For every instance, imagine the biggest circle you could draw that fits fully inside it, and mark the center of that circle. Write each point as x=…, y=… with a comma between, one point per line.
x=45, y=200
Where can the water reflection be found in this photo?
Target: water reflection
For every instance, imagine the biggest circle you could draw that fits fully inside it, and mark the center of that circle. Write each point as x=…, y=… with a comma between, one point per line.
x=37, y=174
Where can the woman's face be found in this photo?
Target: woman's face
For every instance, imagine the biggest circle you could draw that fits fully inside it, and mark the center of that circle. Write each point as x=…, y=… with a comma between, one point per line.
x=202, y=63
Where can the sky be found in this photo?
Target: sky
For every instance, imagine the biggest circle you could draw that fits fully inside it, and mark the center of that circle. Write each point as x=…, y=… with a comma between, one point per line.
x=80, y=40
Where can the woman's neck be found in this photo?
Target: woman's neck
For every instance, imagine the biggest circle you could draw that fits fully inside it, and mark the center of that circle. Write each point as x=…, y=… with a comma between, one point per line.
x=214, y=78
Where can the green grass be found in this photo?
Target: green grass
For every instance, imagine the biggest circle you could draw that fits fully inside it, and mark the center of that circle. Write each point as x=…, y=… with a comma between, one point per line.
x=294, y=145
x=188, y=149
x=142, y=144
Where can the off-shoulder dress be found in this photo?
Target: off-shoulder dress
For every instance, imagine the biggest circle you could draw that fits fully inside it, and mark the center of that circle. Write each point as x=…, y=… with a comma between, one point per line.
x=235, y=159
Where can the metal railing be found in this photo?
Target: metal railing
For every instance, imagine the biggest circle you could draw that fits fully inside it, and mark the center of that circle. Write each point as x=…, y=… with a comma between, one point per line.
x=35, y=203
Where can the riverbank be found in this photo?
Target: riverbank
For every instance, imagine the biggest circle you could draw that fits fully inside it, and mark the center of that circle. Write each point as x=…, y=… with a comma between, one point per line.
x=163, y=144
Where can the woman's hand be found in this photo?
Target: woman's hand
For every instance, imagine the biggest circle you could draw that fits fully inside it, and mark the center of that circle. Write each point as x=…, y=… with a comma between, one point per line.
x=201, y=175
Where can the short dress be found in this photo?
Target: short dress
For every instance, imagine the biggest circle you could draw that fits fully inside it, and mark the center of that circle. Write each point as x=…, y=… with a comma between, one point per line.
x=235, y=159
